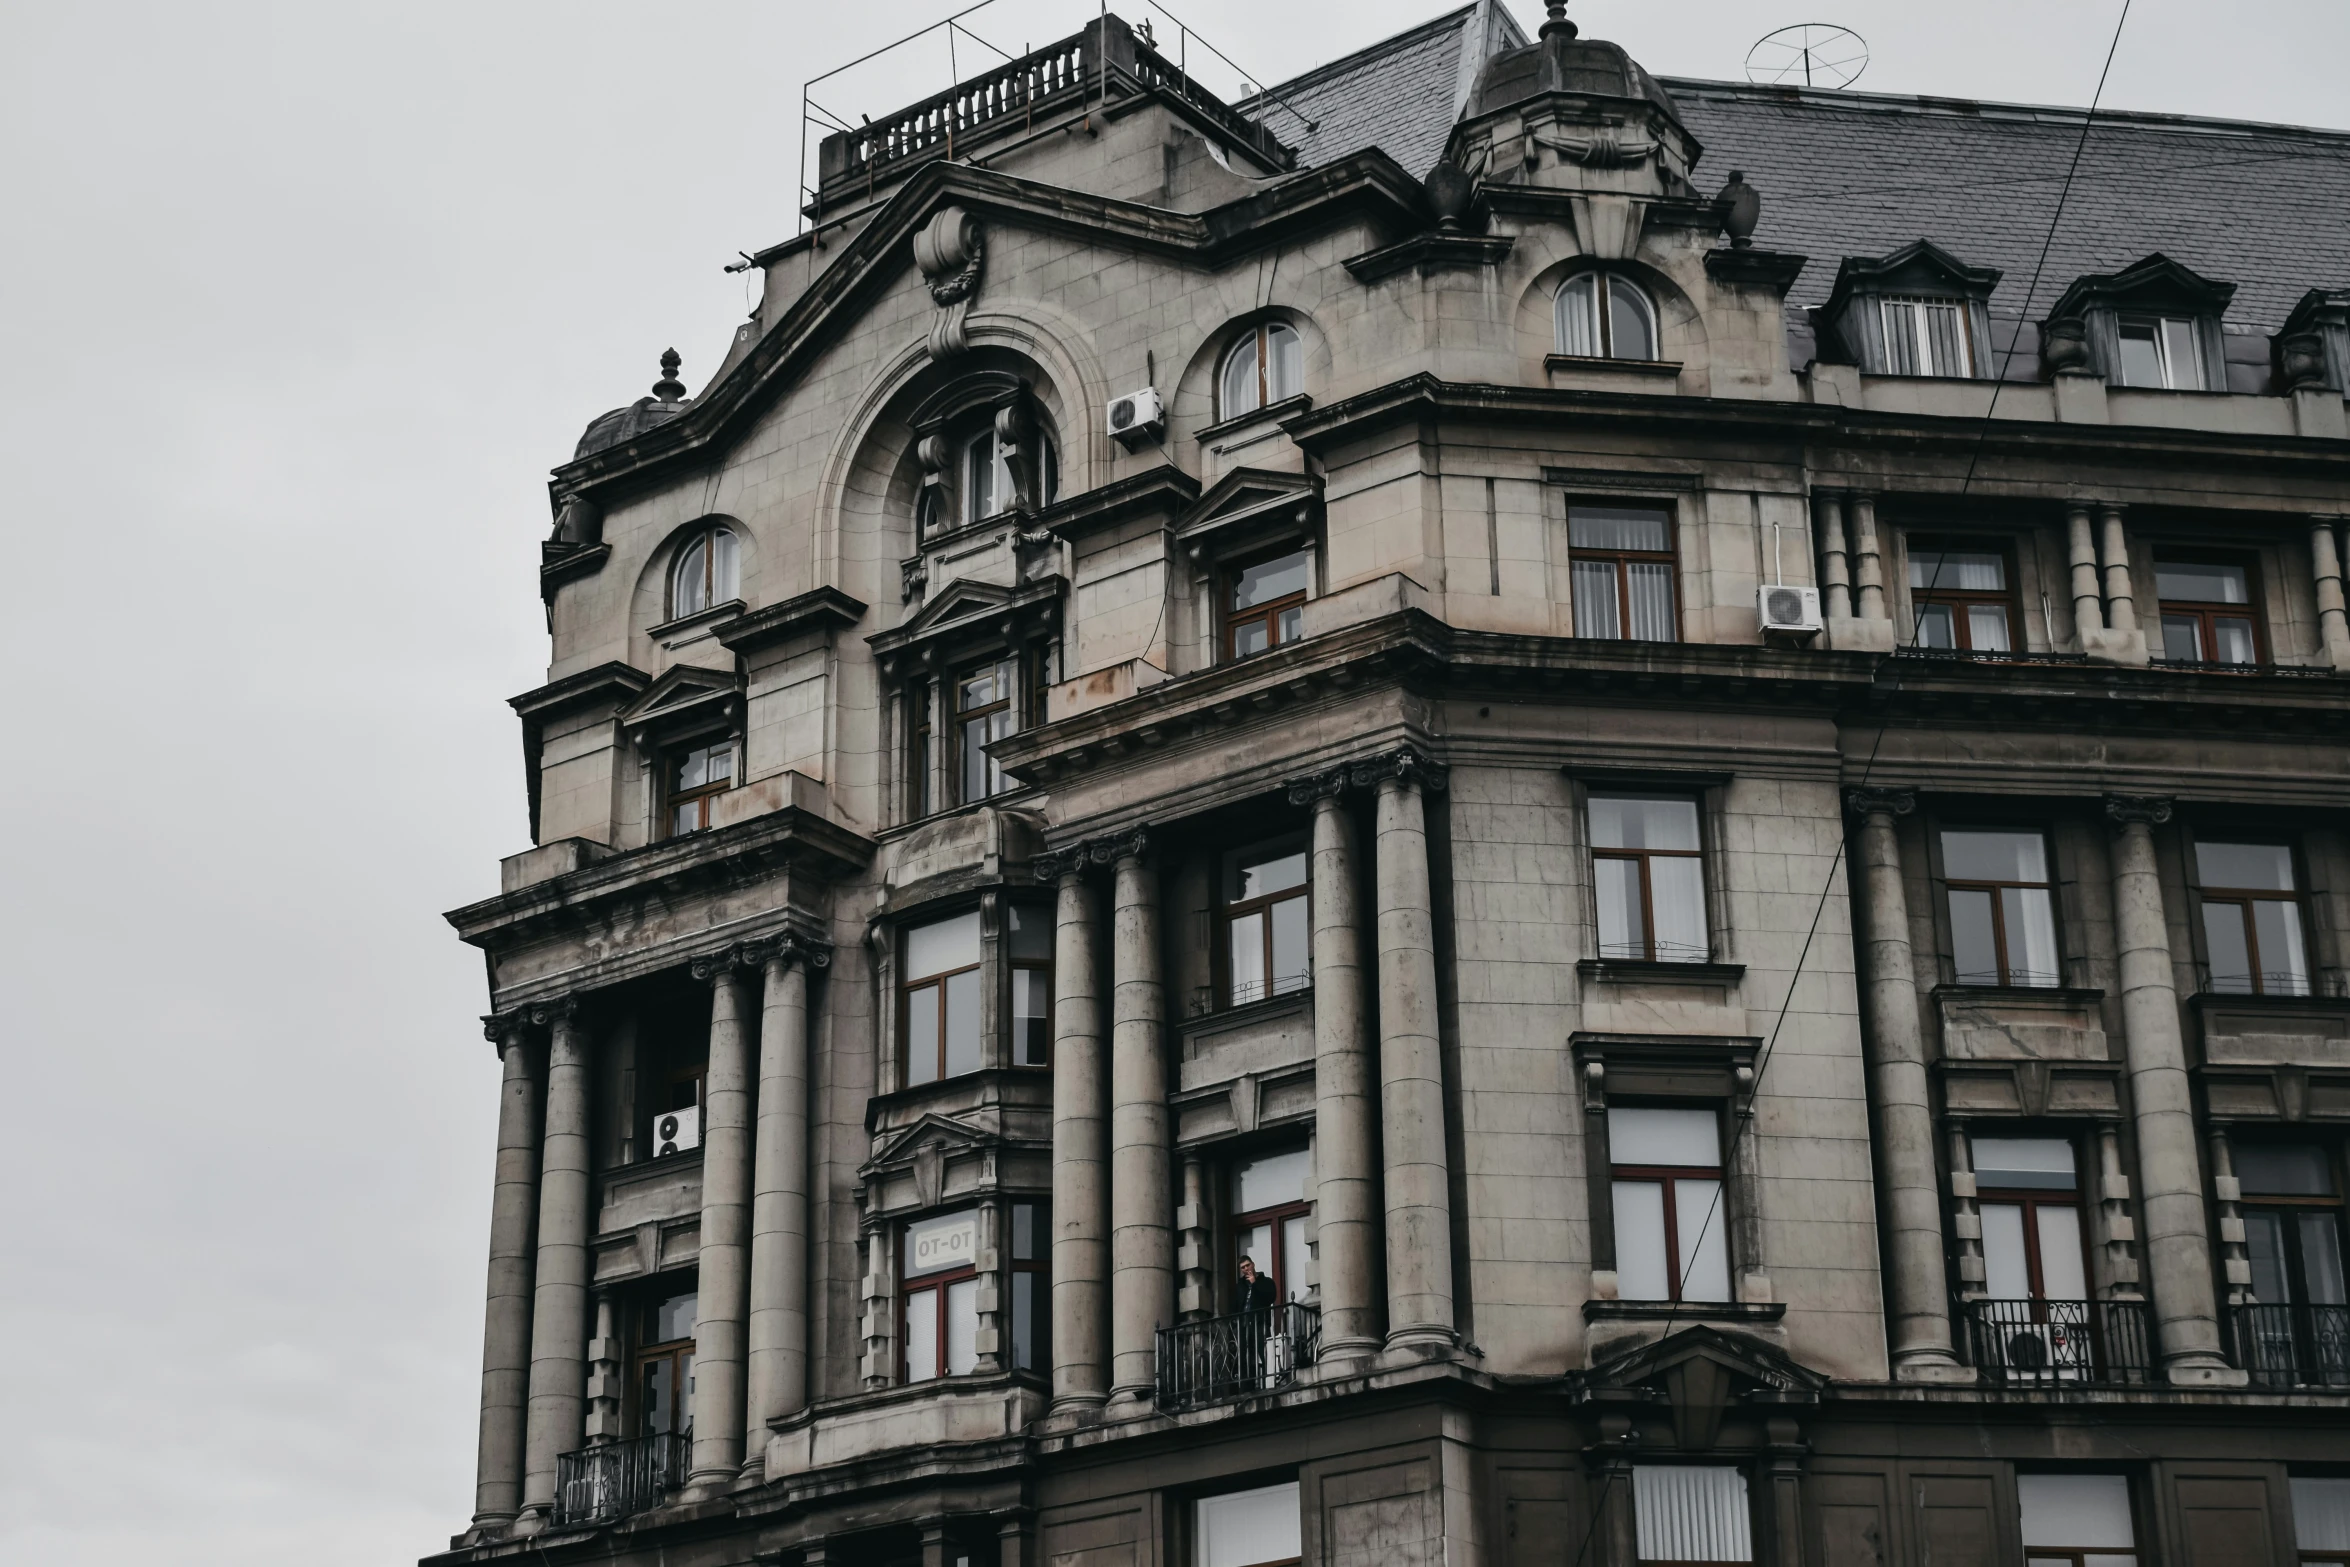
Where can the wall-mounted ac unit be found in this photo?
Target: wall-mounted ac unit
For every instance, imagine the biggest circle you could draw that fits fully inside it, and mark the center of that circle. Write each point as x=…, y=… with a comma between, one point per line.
x=1137, y=417
x=675, y=1131
x=1786, y=608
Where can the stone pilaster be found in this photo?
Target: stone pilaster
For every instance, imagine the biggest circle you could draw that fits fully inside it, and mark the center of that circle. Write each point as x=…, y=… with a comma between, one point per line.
x=606, y=1383
x=1869, y=563
x=559, y=1296
x=1195, y=1289
x=2235, y=1258
x=2117, y=1229
x=2081, y=551
x=1081, y=1209
x=723, y=1265
x=1835, y=575
x=2170, y=1175
x=1966, y=1217
x=2325, y=564
x=1142, y=1199
x=776, y=1352
x=505, y=1340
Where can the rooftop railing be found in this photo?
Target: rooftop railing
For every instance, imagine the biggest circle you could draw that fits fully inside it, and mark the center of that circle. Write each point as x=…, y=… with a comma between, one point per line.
x=2293, y=1346
x=1248, y=1352
x=618, y=1480
x=2053, y=1343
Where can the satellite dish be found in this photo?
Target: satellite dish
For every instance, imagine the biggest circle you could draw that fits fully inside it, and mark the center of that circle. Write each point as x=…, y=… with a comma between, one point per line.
x=1809, y=54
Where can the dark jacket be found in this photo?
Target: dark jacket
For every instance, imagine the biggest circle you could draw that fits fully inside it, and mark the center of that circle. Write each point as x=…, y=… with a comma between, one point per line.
x=1256, y=1294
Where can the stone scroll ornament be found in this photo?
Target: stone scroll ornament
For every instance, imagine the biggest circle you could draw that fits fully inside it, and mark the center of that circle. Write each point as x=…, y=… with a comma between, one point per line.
x=950, y=250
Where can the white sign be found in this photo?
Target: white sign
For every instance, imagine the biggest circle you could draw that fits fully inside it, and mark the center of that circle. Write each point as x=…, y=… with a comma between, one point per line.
x=949, y=1241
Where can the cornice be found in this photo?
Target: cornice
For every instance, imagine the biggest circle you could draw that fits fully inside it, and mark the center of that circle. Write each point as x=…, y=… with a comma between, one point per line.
x=1164, y=491
x=820, y=609
x=614, y=682
x=1431, y=253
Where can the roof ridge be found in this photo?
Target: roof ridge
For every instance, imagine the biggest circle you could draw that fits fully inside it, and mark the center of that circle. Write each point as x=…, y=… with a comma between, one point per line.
x=1961, y=107
x=1388, y=45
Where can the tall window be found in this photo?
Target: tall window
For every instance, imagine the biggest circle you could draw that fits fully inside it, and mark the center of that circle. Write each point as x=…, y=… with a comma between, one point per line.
x=1927, y=337
x=1649, y=879
x=675, y=1093
x=665, y=1366
x=2321, y=1521
x=706, y=573
x=1258, y=1528
x=1269, y=1209
x=919, y=799
x=1264, y=916
x=2293, y=1238
x=1622, y=571
x=1264, y=367
x=1960, y=595
x=2002, y=913
x=941, y=1007
x=2076, y=1520
x=1603, y=316
x=2207, y=611
x=2161, y=351
x=986, y=710
x=1666, y=1176
x=939, y=1305
x=983, y=477
x=2031, y=1209
x=1029, y=936
x=1032, y=1306
x=1265, y=603
x=696, y=778
x=1685, y=1515
x=2252, y=919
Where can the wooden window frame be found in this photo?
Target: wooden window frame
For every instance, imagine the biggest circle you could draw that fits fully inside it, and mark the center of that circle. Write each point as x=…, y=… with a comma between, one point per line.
x=1040, y=1267
x=1268, y=614
x=699, y=797
x=2205, y=612
x=1274, y=1216
x=1230, y=913
x=1605, y=282
x=920, y=801
x=1959, y=600
x=2242, y=899
x=907, y=987
x=2290, y=1202
x=1647, y=881
x=908, y=1288
x=1010, y=667
x=1623, y=560
x=705, y=540
x=1951, y=884
x=2032, y=1199
x=1669, y=1175
x=679, y=1353
x=1013, y=969
x=1260, y=338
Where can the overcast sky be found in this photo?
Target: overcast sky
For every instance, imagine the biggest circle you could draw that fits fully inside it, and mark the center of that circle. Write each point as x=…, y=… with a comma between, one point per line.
x=299, y=302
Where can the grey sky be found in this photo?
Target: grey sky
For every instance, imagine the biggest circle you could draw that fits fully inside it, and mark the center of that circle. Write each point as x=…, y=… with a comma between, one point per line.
x=299, y=303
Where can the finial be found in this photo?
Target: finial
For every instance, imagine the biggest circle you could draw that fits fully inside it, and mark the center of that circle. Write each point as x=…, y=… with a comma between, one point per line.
x=1739, y=207
x=1558, y=24
x=669, y=388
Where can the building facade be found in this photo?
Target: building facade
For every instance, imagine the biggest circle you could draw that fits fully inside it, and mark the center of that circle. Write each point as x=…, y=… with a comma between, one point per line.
x=1375, y=827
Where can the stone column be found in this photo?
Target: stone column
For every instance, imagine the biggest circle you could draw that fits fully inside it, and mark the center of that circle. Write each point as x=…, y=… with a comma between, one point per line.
x=1346, y=1125
x=1142, y=1197
x=1081, y=1206
x=776, y=1352
x=1411, y=1065
x=2170, y=1173
x=1871, y=566
x=1835, y=582
x=723, y=1265
x=2325, y=560
x=1909, y=1207
x=2121, y=611
x=505, y=1339
x=2081, y=546
x=559, y=1295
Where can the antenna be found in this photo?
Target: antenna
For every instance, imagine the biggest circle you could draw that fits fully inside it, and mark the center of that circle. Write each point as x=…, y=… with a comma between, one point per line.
x=1813, y=54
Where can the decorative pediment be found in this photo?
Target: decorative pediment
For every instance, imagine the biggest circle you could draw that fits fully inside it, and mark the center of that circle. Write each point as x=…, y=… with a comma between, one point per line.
x=687, y=696
x=1700, y=1371
x=972, y=609
x=1920, y=267
x=943, y=1133
x=2157, y=285
x=1252, y=499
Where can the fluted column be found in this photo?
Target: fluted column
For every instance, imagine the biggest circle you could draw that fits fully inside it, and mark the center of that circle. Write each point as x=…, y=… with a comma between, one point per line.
x=2081, y=547
x=1870, y=572
x=2121, y=610
x=505, y=1339
x=1835, y=579
x=559, y=1292
x=2325, y=562
x=1415, y=1165
x=1909, y=1204
x=1081, y=1207
x=1346, y=1124
x=722, y=1267
x=1142, y=1197
x=776, y=1353
x=2170, y=1175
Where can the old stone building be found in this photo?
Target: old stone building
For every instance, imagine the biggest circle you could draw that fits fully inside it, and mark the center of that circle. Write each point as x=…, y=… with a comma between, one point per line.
x=1559, y=708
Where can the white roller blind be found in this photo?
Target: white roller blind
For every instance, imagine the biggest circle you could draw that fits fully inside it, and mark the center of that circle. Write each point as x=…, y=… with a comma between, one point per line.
x=1244, y=1528
x=2075, y=1511
x=1691, y=1513
x=2321, y=1514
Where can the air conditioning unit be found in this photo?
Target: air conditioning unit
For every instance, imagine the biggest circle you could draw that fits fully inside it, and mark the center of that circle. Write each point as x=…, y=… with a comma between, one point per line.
x=675, y=1131
x=1137, y=417
x=1786, y=608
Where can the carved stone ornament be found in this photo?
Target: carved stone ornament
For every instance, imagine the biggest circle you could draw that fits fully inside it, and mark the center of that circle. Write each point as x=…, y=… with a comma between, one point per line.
x=1606, y=147
x=548, y=1013
x=1317, y=786
x=1892, y=802
x=2137, y=810
x=2064, y=346
x=742, y=955
x=950, y=249
x=1071, y=859
x=1407, y=764
x=500, y=1027
x=578, y=521
x=789, y=948
x=2301, y=361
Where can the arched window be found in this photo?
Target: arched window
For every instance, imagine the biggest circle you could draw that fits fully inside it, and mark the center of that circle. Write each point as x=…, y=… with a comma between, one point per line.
x=1265, y=366
x=1603, y=316
x=984, y=477
x=707, y=573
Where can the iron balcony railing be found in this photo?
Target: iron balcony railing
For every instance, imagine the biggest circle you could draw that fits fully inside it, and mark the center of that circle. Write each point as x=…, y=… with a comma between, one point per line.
x=2043, y=1343
x=618, y=1479
x=1224, y=1358
x=2293, y=1346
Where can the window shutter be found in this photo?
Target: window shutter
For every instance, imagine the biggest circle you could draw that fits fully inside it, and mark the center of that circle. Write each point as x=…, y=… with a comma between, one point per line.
x=1691, y=1513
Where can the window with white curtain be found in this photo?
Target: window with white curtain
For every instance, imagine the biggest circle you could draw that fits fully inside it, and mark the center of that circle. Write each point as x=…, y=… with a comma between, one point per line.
x=1671, y=1222
x=941, y=1009
x=1647, y=874
x=1603, y=316
x=941, y=1296
x=2030, y=1204
x=1690, y=1513
x=1265, y=367
x=1927, y=337
x=2002, y=906
x=1257, y=1528
x=708, y=571
x=1621, y=569
x=2321, y=1521
x=2076, y=1520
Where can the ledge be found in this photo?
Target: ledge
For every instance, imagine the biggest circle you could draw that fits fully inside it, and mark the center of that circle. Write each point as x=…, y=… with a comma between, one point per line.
x=615, y=682
x=619, y=1177
x=1644, y=971
x=1768, y=268
x=698, y=619
x=1430, y=253
x=1731, y=1311
x=2043, y=995
x=820, y=609
x=1269, y=414
x=562, y=563
x=1658, y=369
x=2282, y=1006
x=1164, y=491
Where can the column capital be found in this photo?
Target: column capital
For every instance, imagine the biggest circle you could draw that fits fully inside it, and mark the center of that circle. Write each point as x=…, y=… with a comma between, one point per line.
x=501, y=1027
x=1873, y=801
x=1405, y=764
x=1071, y=859
x=791, y=947
x=546, y=1014
x=1316, y=787
x=712, y=967
x=2137, y=810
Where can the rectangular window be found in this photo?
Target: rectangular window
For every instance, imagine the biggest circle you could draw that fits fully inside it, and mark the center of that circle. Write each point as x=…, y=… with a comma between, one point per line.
x=1622, y=572
x=1666, y=1178
x=2321, y=1521
x=1960, y=593
x=1265, y=923
x=918, y=795
x=1649, y=877
x=1927, y=337
x=665, y=1366
x=2076, y=1520
x=2033, y=1246
x=696, y=778
x=2002, y=907
x=1258, y=1528
x=2164, y=352
x=941, y=1296
x=1032, y=1306
x=986, y=710
x=941, y=990
x=1270, y=1203
x=2293, y=1238
x=1029, y=937
x=1265, y=603
x=2207, y=612
x=2252, y=919
x=1685, y=1514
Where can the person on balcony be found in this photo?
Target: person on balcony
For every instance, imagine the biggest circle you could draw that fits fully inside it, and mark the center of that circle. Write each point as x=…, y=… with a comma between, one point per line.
x=1254, y=1300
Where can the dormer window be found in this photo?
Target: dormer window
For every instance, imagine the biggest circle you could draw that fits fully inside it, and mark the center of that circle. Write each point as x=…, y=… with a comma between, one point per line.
x=1917, y=312
x=2154, y=324
x=2161, y=352
x=1265, y=367
x=1927, y=337
x=1604, y=316
x=706, y=573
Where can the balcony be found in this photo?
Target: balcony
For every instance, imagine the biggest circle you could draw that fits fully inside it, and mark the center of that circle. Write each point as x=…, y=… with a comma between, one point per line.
x=2293, y=1346
x=2057, y=1343
x=618, y=1479
x=1224, y=1358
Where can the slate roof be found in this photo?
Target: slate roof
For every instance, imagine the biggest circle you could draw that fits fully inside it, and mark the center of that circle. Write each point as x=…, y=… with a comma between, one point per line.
x=1400, y=95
